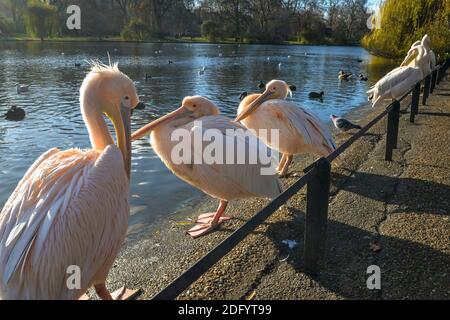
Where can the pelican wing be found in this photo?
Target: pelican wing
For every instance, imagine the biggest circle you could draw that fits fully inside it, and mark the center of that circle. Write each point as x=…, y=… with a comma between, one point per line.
x=58, y=217
x=396, y=83
x=232, y=177
x=304, y=124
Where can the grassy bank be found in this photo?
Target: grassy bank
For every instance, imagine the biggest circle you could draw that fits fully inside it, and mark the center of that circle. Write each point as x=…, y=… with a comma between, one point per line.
x=205, y=40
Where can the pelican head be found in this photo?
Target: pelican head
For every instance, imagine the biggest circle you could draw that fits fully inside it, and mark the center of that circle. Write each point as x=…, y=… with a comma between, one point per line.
x=275, y=89
x=191, y=108
x=415, y=57
x=426, y=41
x=107, y=91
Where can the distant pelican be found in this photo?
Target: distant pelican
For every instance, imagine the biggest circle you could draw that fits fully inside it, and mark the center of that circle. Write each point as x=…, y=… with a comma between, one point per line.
x=400, y=80
x=225, y=182
x=70, y=211
x=299, y=130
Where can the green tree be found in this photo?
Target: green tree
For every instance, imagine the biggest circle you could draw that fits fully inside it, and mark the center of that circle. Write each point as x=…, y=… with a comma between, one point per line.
x=137, y=30
x=211, y=30
x=41, y=19
x=404, y=21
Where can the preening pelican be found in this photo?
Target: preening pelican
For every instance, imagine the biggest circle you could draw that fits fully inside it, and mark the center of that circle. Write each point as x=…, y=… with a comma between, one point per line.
x=429, y=58
x=69, y=213
x=299, y=130
x=224, y=181
x=426, y=42
x=400, y=80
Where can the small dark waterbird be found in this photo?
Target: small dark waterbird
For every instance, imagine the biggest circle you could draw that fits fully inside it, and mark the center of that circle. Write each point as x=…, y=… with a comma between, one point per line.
x=316, y=95
x=243, y=95
x=77, y=64
x=15, y=114
x=147, y=76
x=363, y=78
x=343, y=124
x=262, y=85
x=344, y=75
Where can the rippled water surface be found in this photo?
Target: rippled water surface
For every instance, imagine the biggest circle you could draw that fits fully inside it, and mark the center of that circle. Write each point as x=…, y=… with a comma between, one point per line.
x=54, y=120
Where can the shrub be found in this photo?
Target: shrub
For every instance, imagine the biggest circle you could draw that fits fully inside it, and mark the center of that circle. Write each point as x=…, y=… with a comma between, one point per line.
x=136, y=30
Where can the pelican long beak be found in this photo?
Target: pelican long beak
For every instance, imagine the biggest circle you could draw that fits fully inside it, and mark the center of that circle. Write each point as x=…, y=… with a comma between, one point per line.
x=412, y=55
x=179, y=113
x=121, y=119
x=254, y=105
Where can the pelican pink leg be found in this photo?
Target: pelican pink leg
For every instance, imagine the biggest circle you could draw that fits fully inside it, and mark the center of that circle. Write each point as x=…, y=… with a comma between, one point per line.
x=209, y=221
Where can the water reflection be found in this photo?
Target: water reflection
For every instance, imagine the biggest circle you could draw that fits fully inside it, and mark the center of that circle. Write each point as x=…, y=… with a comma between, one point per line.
x=54, y=120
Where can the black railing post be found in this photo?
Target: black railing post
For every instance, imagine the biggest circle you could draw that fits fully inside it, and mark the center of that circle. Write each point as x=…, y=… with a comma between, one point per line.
x=433, y=81
x=392, y=129
x=415, y=102
x=317, y=216
x=426, y=89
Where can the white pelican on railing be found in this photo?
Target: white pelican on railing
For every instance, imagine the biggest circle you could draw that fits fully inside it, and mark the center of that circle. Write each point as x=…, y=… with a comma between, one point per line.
x=222, y=181
x=402, y=79
x=425, y=43
x=69, y=213
x=299, y=130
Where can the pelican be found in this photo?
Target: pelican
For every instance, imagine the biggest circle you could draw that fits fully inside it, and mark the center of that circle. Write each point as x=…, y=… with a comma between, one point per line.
x=225, y=182
x=429, y=56
x=400, y=80
x=70, y=211
x=426, y=42
x=299, y=130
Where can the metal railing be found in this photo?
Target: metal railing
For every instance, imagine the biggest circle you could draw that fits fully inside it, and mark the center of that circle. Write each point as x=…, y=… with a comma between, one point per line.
x=317, y=179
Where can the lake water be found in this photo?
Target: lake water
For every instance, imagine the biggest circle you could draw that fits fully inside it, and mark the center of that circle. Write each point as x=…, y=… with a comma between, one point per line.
x=54, y=120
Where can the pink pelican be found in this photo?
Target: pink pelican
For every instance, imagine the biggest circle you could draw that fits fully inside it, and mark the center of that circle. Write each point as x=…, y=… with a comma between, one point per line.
x=70, y=211
x=400, y=80
x=299, y=130
x=222, y=181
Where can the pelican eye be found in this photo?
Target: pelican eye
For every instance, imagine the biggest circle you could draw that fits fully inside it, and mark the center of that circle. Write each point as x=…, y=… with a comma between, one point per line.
x=127, y=98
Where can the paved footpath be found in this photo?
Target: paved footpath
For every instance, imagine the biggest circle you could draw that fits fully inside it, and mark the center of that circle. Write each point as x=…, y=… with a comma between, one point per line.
x=391, y=214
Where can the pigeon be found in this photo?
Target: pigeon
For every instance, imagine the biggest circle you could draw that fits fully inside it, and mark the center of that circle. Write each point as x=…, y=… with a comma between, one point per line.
x=315, y=95
x=15, y=114
x=21, y=88
x=343, y=124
